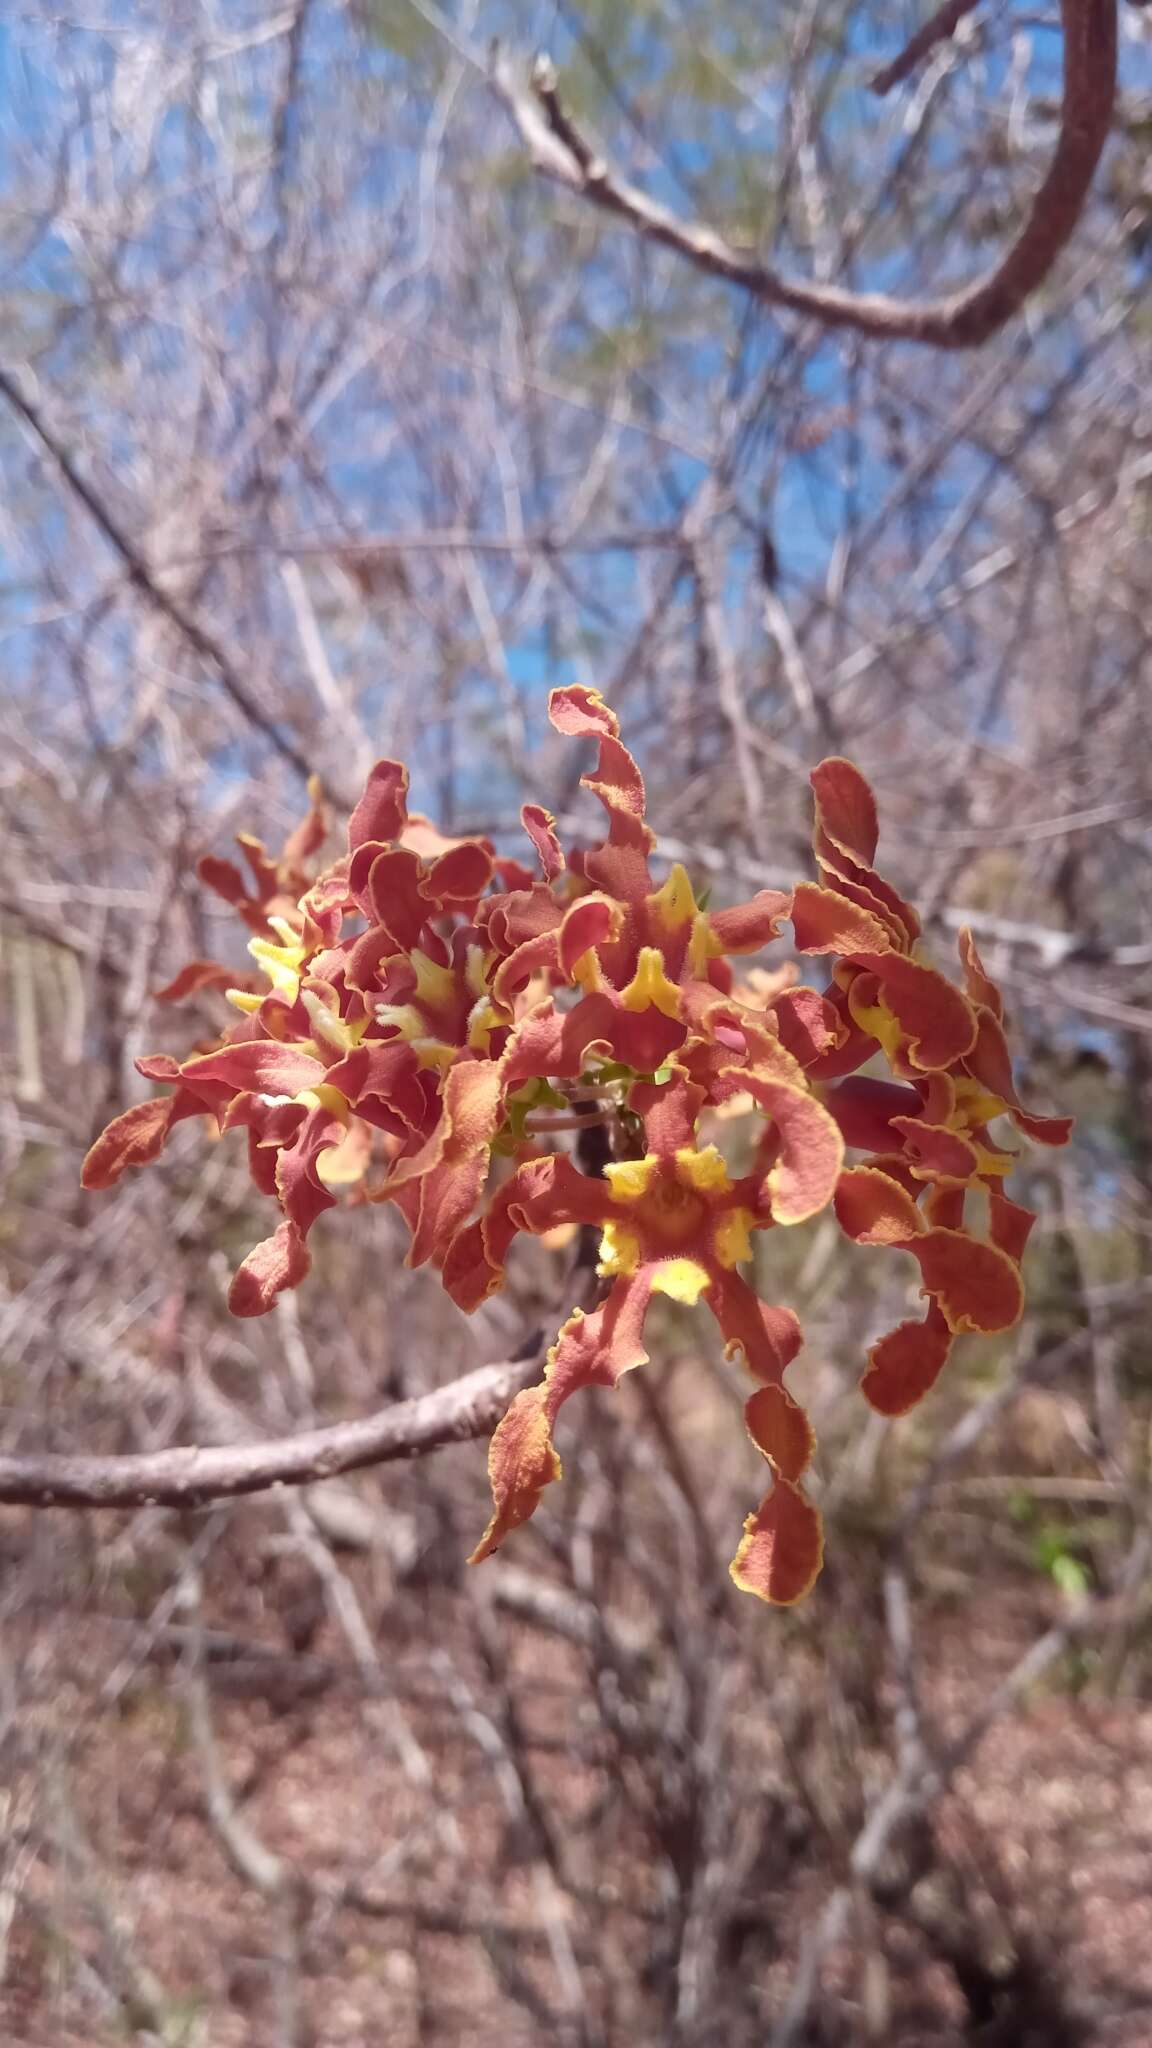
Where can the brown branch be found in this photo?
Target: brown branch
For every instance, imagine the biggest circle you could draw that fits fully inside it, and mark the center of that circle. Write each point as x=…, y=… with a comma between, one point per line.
x=922, y=1780
x=142, y=577
x=960, y=319
x=192, y=1474
x=937, y=29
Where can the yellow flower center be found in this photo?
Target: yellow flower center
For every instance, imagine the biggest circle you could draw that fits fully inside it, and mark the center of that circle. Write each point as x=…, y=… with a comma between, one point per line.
x=650, y=987
x=672, y=1211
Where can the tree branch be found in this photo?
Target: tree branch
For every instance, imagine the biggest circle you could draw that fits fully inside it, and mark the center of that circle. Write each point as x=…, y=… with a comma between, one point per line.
x=192, y=1474
x=937, y=29
x=960, y=319
x=142, y=577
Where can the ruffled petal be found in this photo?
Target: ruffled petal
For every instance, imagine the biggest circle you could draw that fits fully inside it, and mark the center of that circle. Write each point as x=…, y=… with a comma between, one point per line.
x=782, y=1548
x=264, y=1064
x=780, y=1430
x=199, y=976
x=810, y=1148
x=450, y=1167
x=748, y=926
x=824, y=921
x=977, y=1285
x=903, y=1365
x=872, y=1208
x=592, y=1350
x=382, y=811
x=937, y=1024
x=281, y=1261
x=134, y=1138
x=990, y=1062
x=765, y=1337
x=540, y=826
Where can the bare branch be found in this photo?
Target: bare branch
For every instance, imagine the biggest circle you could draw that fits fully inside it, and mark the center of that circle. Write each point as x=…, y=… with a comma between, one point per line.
x=962, y=319
x=192, y=1474
x=922, y=1779
x=937, y=29
x=141, y=576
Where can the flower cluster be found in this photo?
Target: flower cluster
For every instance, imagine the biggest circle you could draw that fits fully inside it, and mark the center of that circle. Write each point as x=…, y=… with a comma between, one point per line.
x=430, y=1021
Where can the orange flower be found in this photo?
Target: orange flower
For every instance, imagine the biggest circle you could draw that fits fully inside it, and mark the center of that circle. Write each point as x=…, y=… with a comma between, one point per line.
x=425, y=999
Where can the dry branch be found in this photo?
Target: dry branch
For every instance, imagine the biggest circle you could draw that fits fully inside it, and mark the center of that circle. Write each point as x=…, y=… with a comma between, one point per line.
x=142, y=578
x=939, y=28
x=962, y=319
x=192, y=1474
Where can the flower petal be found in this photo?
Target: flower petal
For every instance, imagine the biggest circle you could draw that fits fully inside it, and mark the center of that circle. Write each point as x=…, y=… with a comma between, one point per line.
x=591, y=1350
x=620, y=868
x=581, y=713
x=264, y=1064
x=1009, y=1224
x=782, y=1548
x=382, y=811
x=811, y=1149
x=198, y=976
x=591, y=922
x=990, y=1063
x=937, y=1023
x=522, y=1461
x=780, y=1430
x=767, y=1338
x=385, y=882
x=461, y=875
x=302, y=1193
x=224, y=879
x=134, y=1138
x=280, y=1261
x=977, y=1285
x=669, y=1111
x=810, y=1026
x=748, y=926
x=871, y=1208
x=540, y=826
x=450, y=1167
x=826, y=922
x=934, y=1152
x=846, y=819
x=864, y=1109
x=845, y=844
x=543, y=1194
x=903, y=1365
x=981, y=988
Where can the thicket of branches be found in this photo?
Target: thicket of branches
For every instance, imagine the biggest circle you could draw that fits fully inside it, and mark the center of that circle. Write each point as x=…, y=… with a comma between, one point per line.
x=331, y=430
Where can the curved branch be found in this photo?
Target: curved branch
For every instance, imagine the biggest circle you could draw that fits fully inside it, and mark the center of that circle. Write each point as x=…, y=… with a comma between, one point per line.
x=190, y=1475
x=960, y=319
